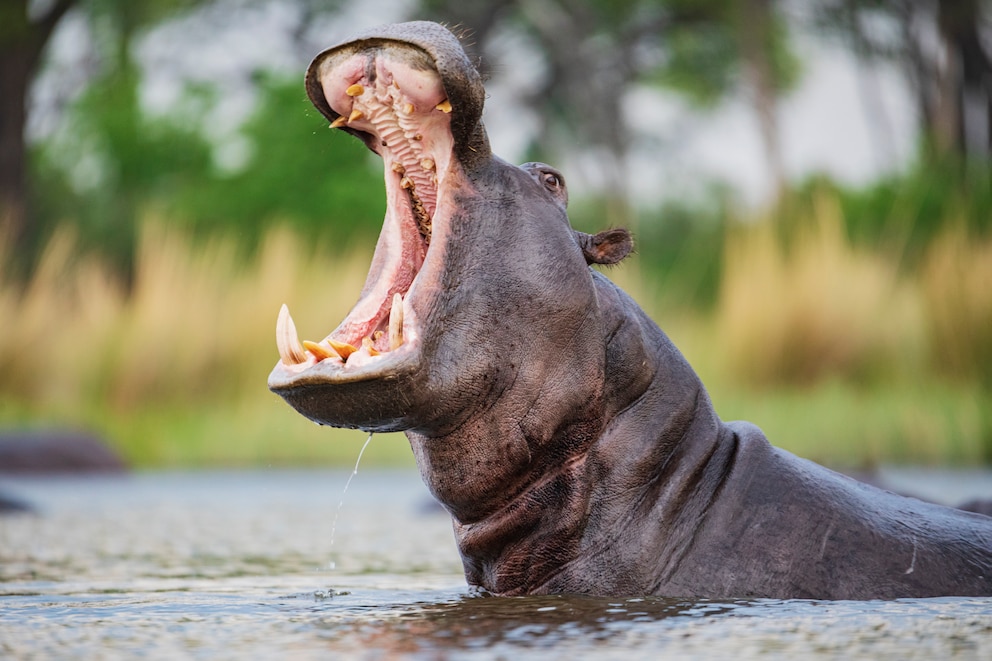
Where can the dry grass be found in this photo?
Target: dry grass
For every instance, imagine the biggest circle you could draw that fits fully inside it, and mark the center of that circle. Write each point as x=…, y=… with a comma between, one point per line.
x=957, y=288
x=829, y=347
x=174, y=370
x=814, y=307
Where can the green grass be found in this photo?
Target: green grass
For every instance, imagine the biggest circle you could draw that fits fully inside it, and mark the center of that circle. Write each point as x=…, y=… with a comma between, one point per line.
x=837, y=424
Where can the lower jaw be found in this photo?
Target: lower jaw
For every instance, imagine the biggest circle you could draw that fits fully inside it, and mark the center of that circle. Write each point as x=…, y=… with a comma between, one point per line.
x=380, y=397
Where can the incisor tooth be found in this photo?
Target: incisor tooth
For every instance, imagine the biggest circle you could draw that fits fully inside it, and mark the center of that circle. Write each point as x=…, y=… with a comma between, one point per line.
x=319, y=350
x=408, y=109
x=287, y=341
x=396, y=322
x=444, y=106
x=367, y=343
x=339, y=122
x=343, y=348
x=355, y=115
x=355, y=90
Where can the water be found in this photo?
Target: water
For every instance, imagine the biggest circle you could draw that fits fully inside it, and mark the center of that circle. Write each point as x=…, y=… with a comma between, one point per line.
x=236, y=565
x=344, y=492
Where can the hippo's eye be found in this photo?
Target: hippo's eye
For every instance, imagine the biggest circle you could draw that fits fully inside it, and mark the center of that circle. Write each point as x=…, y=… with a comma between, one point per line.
x=551, y=180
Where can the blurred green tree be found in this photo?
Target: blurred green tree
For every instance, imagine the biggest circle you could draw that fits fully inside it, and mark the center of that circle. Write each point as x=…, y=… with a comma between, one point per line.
x=325, y=183
x=113, y=159
x=25, y=29
x=942, y=48
x=23, y=36
x=592, y=51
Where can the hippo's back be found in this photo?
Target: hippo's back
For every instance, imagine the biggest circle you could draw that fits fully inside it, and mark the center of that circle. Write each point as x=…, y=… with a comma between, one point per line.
x=784, y=527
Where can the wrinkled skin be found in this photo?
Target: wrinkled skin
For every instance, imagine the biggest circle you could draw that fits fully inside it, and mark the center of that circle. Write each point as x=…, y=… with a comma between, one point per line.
x=574, y=447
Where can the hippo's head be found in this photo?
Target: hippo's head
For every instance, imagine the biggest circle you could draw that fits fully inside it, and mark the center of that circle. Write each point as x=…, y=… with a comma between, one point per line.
x=479, y=291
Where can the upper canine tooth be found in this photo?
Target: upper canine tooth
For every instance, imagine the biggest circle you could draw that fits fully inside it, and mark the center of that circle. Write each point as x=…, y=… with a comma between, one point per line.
x=355, y=90
x=396, y=322
x=287, y=341
x=444, y=106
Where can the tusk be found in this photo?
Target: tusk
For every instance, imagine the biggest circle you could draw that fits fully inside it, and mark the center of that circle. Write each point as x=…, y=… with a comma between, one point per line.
x=355, y=90
x=287, y=340
x=396, y=322
x=339, y=122
x=356, y=114
x=444, y=106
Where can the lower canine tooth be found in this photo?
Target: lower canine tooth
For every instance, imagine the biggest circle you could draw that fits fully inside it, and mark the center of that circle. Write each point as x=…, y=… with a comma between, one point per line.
x=287, y=341
x=396, y=322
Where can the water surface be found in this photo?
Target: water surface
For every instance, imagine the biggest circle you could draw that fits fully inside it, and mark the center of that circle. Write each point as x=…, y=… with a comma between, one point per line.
x=240, y=565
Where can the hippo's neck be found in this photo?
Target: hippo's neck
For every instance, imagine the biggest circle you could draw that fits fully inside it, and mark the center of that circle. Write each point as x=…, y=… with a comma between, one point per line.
x=517, y=492
x=644, y=433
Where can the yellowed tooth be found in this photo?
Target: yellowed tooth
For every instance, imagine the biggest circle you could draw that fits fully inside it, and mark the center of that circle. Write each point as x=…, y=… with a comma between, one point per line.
x=339, y=122
x=444, y=106
x=406, y=183
x=356, y=114
x=287, y=340
x=319, y=350
x=408, y=108
x=355, y=90
x=396, y=322
x=367, y=343
x=343, y=348
x=398, y=168
x=427, y=164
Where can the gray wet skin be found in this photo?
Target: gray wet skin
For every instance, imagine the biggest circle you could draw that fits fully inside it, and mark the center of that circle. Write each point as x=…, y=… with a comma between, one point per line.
x=572, y=444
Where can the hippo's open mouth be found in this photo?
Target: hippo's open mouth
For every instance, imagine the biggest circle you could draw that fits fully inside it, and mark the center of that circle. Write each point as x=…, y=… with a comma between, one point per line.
x=391, y=96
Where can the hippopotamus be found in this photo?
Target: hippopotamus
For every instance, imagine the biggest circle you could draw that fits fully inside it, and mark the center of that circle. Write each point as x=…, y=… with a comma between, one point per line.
x=572, y=444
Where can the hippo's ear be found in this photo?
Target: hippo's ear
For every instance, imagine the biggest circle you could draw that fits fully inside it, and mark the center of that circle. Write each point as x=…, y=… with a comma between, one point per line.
x=606, y=247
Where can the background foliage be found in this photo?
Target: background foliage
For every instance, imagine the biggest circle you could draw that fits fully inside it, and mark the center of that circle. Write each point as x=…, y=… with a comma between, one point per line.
x=142, y=263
